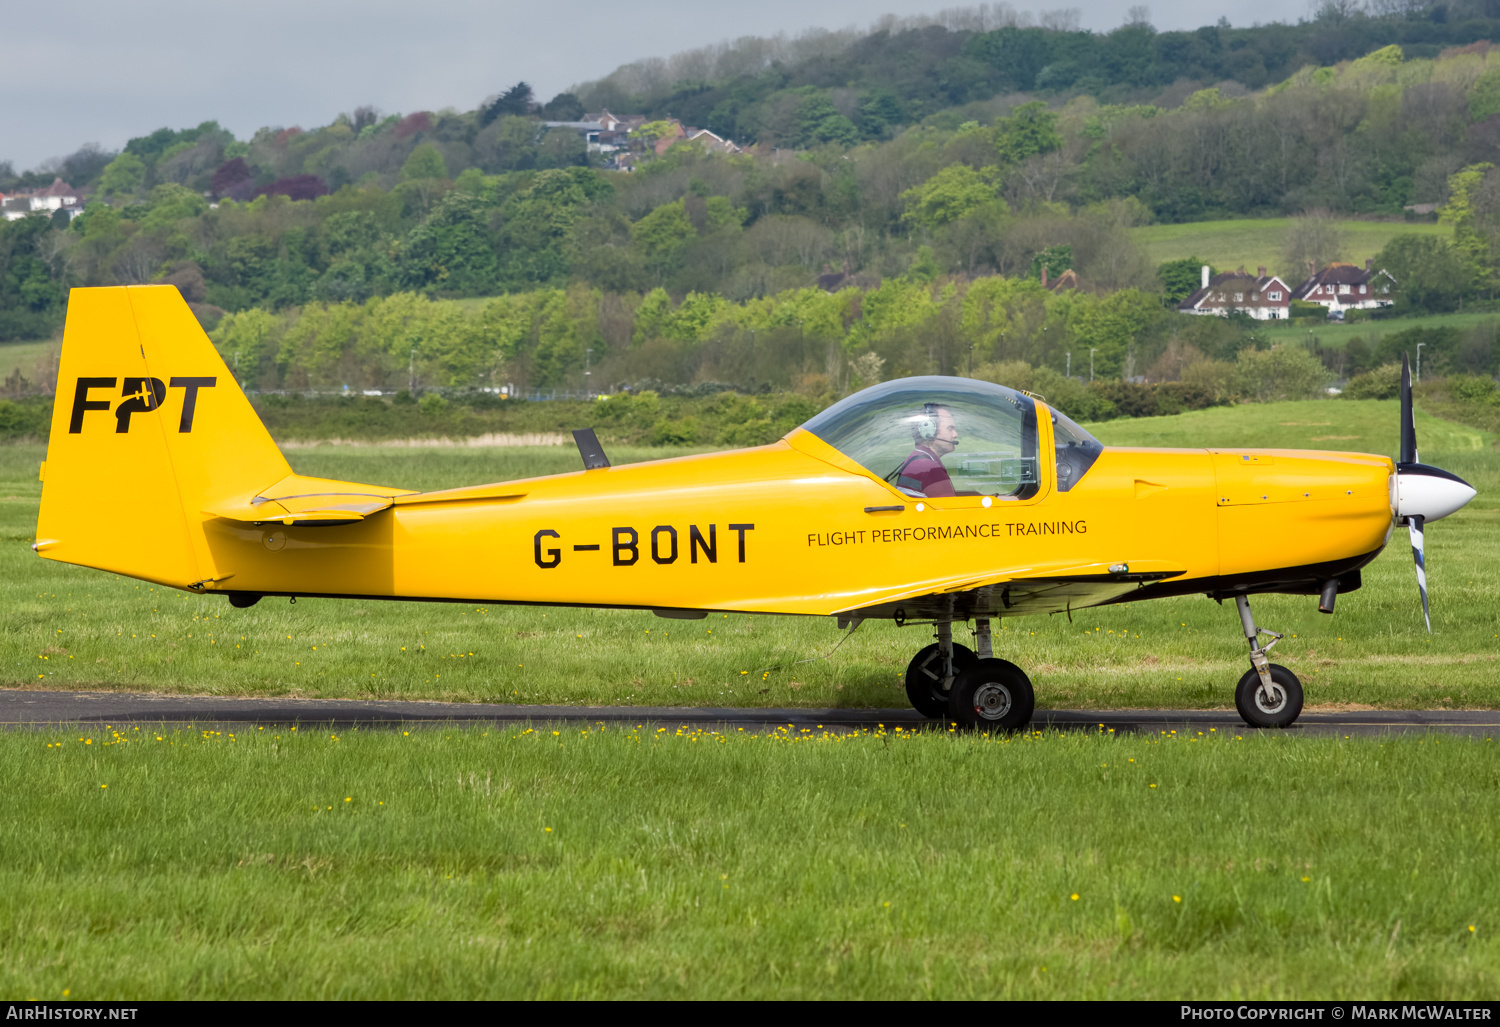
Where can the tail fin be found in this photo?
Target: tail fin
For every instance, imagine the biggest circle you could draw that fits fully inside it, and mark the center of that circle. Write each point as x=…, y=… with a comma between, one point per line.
x=148, y=429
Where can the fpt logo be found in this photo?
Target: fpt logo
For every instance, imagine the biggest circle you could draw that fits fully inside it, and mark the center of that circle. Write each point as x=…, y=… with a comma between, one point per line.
x=137, y=396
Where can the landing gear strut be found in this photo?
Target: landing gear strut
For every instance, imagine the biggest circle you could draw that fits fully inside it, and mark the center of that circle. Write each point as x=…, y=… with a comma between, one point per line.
x=975, y=689
x=929, y=676
x=1268, y=695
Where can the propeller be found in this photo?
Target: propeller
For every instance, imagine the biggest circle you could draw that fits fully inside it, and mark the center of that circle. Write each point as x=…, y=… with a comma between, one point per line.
x=1423, y=493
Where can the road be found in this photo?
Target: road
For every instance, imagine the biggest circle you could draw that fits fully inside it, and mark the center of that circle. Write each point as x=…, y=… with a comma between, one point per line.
x=35, y=709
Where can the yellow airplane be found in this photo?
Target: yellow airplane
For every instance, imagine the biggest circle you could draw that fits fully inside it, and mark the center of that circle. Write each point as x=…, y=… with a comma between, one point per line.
x=925, y=500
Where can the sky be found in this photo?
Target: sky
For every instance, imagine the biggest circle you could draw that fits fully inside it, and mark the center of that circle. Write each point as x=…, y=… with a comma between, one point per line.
x=102, y=71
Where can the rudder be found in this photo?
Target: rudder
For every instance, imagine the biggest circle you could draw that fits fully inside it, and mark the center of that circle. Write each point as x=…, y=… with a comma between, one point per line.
x=149, y=427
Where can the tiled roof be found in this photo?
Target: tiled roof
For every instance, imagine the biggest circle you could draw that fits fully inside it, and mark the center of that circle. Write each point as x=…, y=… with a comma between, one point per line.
x=1234, y=281
x=1336, y=274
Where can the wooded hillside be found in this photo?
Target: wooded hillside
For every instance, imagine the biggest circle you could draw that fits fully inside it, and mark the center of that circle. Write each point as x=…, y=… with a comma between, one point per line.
x=933, y=157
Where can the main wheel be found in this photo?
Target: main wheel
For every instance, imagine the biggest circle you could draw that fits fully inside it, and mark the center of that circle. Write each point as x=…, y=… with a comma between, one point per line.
x=992, y=695
x=1277, y=709
x=924, y=679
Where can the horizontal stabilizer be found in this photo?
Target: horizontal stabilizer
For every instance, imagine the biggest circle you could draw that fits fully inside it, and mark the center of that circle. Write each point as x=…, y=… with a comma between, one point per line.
x=308, y=503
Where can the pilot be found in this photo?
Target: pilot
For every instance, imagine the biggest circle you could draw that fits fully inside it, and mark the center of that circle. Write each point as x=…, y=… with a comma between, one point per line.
x=935, y=435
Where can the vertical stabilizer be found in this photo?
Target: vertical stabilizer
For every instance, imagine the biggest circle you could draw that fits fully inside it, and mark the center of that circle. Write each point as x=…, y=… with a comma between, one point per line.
x=149, y=428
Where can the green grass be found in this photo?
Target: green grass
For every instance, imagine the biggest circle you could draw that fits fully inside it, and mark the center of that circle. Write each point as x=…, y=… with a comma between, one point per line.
x=24, y=356
x=75, y=628
x=680, y=864
x=1336, y=336
x=1231, y=244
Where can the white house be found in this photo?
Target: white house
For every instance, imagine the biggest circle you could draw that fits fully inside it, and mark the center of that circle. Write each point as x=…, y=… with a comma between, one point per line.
x=1347, y=287
x=57, y=196
x=1262, y=296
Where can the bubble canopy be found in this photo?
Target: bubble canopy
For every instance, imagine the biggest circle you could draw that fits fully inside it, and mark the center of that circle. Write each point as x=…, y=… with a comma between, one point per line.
x=938, y=436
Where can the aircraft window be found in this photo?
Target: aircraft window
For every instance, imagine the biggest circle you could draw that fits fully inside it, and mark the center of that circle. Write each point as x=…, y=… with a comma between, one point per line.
x=1076, y=451
x=937, y=436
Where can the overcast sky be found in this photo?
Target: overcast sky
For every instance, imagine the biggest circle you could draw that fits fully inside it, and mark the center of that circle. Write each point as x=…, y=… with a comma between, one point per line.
x=79, y=71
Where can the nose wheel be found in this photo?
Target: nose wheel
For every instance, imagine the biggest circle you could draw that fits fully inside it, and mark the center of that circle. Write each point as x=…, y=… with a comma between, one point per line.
x=1274, y=706
x=1268, y=695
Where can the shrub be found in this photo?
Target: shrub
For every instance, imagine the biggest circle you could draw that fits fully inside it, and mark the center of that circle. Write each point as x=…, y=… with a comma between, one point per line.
x=1281, y=372
x=1382, y=383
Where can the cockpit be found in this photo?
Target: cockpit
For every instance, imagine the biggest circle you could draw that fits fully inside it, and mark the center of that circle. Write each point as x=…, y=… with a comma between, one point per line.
x=935, y=436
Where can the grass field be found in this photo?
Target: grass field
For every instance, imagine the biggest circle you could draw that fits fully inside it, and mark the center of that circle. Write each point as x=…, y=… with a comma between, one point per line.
x=75, y=628
x=673, y=864
x=24, y=356
x=1231, y=244
x=1335, y=336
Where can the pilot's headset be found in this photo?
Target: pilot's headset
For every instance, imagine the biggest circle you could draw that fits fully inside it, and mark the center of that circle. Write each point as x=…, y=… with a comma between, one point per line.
x=924, y=425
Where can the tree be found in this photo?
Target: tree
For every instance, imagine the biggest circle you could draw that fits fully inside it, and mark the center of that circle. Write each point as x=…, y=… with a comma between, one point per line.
x=452, y=251
x=295, y=187
x=230, y=174
x=1313, y=241
x=1281, y=372
x=1471, y=244
x=819, y=121
x=954, y=192
x=1056, y=259
x=563, y=107
x=123, y=175
x=424, y=163
x=518, y=100
x=1030, y=129
x=661, y=234
x=1429, y=274
x=1181, y=278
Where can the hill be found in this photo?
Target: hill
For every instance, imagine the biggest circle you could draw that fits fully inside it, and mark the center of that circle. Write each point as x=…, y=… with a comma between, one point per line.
x=899, y=198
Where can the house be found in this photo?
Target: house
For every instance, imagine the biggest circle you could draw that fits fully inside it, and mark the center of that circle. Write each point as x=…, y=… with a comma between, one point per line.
x=590, y=130
x=614, y=130
x=1341, y=287
x=711, y=142
x=613, y=123
x=675, y=133
x=57, y=196
x=1262, y=296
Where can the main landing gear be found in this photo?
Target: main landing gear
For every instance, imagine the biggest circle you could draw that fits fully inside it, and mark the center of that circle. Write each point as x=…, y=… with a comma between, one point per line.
x=974, y=688
x=979, y=691
x=1268, y=695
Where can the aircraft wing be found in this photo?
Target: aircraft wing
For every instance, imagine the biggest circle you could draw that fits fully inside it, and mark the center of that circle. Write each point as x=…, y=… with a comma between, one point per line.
x=1045, y=588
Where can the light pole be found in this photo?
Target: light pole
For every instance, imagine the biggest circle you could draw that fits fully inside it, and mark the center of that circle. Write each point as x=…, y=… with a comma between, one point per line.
x=1092, y=351
x=1419, y=360
x=587, y=353
x=1069, y=372
x=411, y=372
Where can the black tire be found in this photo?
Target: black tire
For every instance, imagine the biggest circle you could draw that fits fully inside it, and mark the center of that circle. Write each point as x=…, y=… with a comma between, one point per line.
x=1259, y=711
x=992, y=695
x=924, y=683
x=243, y=600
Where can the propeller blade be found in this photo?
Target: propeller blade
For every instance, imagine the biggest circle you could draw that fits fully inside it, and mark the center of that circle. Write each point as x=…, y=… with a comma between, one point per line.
x=1408, y=422
x=1414, y=524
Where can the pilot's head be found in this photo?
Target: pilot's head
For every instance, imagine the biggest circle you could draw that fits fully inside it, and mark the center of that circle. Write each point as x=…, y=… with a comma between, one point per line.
x=934, y=430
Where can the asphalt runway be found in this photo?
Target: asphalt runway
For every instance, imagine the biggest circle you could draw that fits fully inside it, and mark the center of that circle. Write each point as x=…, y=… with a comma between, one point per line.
x=38, y=709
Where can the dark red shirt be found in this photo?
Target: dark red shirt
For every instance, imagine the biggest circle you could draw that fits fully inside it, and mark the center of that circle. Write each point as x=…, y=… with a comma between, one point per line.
x=928, y=474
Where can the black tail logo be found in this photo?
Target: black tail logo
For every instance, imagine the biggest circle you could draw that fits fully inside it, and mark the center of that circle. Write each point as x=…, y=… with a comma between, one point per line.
x=139, y=396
